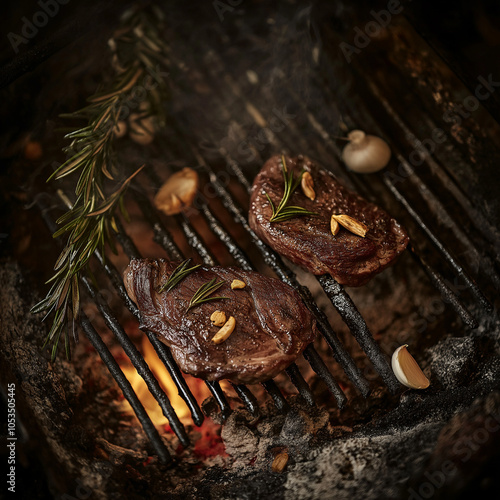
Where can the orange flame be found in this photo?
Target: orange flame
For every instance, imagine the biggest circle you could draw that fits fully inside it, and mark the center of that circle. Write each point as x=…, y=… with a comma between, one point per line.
x=198, y=388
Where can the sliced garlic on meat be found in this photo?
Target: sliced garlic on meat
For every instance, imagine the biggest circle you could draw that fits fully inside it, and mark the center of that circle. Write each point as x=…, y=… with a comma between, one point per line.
x=225, y=331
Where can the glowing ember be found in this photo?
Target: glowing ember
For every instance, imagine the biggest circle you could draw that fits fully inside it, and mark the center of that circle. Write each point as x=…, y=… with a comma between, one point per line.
x=198, y=388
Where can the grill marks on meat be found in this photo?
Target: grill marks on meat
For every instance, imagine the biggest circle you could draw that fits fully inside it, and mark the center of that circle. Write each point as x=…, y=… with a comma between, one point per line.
x=272, y=324
x=308, y=242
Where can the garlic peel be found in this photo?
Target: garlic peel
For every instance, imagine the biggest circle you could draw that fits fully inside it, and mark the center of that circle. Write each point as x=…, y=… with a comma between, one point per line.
x=407, y=370
x=365, y=153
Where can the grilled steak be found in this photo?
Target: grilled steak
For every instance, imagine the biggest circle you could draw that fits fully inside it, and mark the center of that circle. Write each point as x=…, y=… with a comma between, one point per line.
x=308, y=240
x=272, y=324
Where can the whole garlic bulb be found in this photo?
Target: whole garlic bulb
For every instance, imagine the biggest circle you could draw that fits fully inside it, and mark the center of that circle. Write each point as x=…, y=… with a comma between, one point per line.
x=365, y=154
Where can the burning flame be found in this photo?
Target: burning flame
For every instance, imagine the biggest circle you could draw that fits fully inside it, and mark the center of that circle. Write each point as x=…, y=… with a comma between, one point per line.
x=198, y=388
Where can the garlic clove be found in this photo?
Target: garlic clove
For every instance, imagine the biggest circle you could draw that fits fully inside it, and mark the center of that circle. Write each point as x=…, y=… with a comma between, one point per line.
x=120, y=129
x=141, y=129
x=365, y=153
x=177, y=192
x=225, y=331
x=237, y=284
x=351, y=224
x=307, y=185
x=218, y=318
x=279, y=462
x=334, y=226
x=407, y=370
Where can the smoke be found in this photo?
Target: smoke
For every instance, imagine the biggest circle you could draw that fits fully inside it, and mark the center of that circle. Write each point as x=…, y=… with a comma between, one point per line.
x=248, y=85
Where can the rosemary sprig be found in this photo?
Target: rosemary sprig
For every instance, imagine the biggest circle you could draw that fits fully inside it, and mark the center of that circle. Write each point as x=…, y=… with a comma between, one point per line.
x=139, y=56
x=284, y=211
x=202, y=294
x=178, y=274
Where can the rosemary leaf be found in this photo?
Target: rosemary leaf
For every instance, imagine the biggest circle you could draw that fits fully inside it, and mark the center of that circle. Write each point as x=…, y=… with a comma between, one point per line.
x=178, y=274
x=89, y=223
x=284, y=211
x=203, y=293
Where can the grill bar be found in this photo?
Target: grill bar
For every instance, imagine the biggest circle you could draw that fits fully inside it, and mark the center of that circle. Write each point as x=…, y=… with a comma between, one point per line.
x=138, y=361
x=196, y=242
x=129, y=393
x=220, y=397
x=184, y=392
x=129, y=246
x=216, y=227
x=248, y=399
x=279, y=401
x=298, y=381
x=161, y=349
x=446, y=292
x=437, y=243
x=274, y=261
x=321, y=369
x=353, y=319
x=115, y=369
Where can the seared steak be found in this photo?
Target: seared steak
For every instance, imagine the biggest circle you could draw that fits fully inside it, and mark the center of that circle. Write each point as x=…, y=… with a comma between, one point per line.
x=272, y=324
x=308, y=240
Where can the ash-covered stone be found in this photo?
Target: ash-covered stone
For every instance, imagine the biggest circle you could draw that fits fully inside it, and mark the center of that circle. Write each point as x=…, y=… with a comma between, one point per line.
x=241, y=442
x=466, y=448
x=357, y=467
x=452, y=361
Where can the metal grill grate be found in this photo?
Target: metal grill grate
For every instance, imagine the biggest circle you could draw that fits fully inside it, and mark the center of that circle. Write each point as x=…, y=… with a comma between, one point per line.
x=216, y=73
